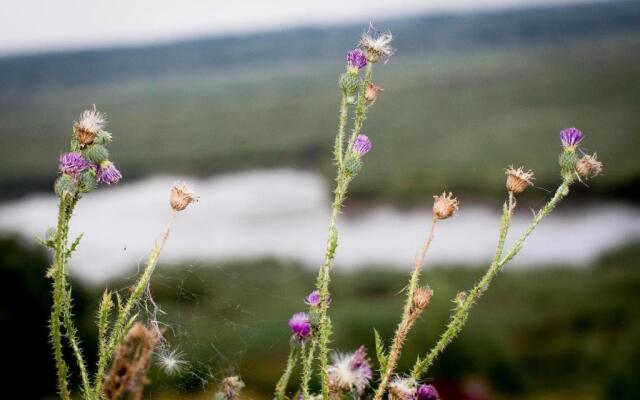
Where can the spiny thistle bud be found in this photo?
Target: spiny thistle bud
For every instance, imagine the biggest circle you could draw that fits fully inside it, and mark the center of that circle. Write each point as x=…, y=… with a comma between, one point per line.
x=181, y=197
x=350, y=82
x=96, y=153
x=87, y=182
x=352, y=166
x=518, y=179
x=461, y=297
x=444, y=205
x=300, y=326
x=589, y=166
x=314, y=299
x=103, y=137
x=427, y=392
x=87, y=127
x=362, y=145
x=377, y=45
x=356, y=60
x=421, y=299
x=372, y=92
x=72, y=163
x=571, y=137
x=65, y=186
x=230, y=387
x=108, y=173
x=568, y=160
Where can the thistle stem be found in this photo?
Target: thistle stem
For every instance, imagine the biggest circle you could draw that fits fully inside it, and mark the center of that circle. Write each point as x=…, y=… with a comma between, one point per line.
x=124, y=313
x=338, y=151
x=307, y=368
x=462, y=313
x=408, y=319
x=281, y=387
x=360, y=112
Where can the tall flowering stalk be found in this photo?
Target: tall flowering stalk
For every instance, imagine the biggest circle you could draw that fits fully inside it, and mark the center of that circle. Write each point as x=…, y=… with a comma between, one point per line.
x=418, y=298
x=572, y=167
x=85, y=166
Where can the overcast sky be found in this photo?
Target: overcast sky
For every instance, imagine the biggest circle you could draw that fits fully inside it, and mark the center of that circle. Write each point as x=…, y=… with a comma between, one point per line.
x=41, y=25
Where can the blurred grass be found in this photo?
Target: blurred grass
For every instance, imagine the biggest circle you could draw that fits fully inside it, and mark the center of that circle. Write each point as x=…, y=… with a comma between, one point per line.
x=450, y=118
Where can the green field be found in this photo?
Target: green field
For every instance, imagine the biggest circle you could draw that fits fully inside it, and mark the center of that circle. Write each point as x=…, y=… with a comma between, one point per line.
x=459, y=104
x=537, y=334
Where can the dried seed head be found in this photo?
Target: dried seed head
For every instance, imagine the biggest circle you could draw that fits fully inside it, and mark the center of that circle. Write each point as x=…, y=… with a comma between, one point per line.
x=444, y=205
x=518, y=179
x=372, y=92
x=589, y=166
x=377, y=46
x=87, y=127
x=231, y=387
x=181, y=197
x=421, y=299
x=402, y=389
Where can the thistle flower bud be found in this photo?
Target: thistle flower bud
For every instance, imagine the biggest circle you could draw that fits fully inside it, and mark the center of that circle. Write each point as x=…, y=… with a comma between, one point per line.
x=87, y=181
x=570, y=138
x=427, y=392
x=589, y=166
x=181, y=197
x=107, y=173
x=314, y=299
x=96, y=153
x=372, y=92
x=518, y=179
x=444, y=205
x=65, y=186
x=568, y=160
x=352, y=166
x=377, y=46
x=421, y=299
x=300, y=325
x=356, y=60
x=350, y=82
x=72, y=163
x=87, y=127
x=362, y=145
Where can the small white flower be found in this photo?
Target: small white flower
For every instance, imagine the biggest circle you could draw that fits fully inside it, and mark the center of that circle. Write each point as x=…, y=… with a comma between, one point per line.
x=172, y=362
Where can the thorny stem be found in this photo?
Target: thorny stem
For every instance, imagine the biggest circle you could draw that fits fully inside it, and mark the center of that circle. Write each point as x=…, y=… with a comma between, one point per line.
x=461, y=314
x=281, y=387
x=322, y=284
x=307, y=368
x=408, y=318
x=338, y=151
x=118, y=331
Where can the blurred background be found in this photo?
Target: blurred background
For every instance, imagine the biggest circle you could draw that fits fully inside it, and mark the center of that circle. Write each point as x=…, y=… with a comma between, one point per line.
x=240, y=100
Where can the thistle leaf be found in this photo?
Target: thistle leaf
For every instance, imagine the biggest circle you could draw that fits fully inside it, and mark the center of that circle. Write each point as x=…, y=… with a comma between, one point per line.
x=380, y=351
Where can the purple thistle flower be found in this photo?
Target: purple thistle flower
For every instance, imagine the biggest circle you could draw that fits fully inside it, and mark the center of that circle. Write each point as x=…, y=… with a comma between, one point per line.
x=427, y=392
x=362, y=145
x=108, y=173
x=314, y=299
x=356, y=59
x=350, y=371
x=72, y=163
x=571, y=137
x=300, y=325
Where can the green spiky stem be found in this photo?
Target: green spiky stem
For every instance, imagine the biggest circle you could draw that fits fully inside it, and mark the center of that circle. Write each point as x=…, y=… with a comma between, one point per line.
x=119, y=328
x=281, y=386
x=338, y=150
x=103, y=322
x=407, y=320
x=307, y=368
x=462, y=313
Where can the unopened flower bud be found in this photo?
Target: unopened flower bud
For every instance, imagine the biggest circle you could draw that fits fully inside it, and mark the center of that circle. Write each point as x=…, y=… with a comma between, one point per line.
x=181, y=197
x=349, y=82
x=444, y=205
x=87, y=181
x=352, y=166
x=96, y=153
x=589, y=166
x=362, y=145
x=65, y=186
x=87, y=127
x=461, y=297
x=421, y=299
x=518, y=179
x=372, y=92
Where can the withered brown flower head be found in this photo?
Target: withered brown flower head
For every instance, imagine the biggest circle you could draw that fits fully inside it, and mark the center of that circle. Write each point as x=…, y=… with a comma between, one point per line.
x=181, y=197
x=589, y=166
x=518, y=179
x=444, y=205
x=377, y=46
x=372, y=92
x=421, y=298
x=87, y=127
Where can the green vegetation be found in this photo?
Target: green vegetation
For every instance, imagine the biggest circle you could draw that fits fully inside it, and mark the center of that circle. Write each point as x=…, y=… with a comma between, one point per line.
x=547, y=333
x=464, y=98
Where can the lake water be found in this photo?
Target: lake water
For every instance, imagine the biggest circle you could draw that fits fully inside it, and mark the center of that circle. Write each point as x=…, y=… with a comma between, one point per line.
x=284, y=213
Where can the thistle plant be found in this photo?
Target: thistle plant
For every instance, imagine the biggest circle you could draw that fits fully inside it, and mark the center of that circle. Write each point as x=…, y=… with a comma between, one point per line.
x=82, y=169
x=358, y=95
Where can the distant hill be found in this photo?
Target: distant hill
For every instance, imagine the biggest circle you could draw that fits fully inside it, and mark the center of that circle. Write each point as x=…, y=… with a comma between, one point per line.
x=469, y=93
